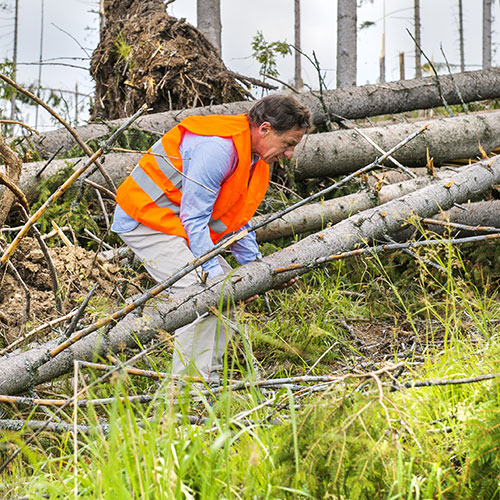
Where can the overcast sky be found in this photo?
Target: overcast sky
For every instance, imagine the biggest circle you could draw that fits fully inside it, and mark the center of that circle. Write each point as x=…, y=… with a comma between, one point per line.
x=71, y=30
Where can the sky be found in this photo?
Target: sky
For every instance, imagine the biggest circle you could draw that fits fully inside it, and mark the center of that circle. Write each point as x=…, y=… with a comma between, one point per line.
x=70, y=30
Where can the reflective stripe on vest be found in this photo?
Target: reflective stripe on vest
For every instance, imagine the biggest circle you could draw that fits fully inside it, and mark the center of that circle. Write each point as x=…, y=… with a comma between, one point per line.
x=152, y=190
x=217, y=225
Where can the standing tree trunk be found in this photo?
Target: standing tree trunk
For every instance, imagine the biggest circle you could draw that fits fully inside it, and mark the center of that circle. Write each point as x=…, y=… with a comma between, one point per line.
x=14, y=62
x=298, y=66
x=486, y=34
x=461, y=34
x=346, y=43
x=209, y=23
x=418, y=44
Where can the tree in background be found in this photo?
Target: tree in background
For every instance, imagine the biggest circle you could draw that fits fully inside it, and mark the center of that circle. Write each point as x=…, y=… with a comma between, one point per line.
x=486, y=33
x=418, y=44
x=208, y=21
x=298, y=66
x=461, y=34
x=346, y=43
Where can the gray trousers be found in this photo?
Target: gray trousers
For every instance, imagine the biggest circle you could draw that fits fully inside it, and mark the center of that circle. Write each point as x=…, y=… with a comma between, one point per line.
x=199, y=347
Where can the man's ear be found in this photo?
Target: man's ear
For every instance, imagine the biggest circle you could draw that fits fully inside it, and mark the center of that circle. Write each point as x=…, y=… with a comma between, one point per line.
x=264, y=128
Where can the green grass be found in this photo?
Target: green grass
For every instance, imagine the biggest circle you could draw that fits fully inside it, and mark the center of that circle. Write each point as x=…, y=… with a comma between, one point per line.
x=356, y=439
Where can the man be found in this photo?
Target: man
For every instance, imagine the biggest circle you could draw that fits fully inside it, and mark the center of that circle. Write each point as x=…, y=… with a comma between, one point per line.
x=204, y=179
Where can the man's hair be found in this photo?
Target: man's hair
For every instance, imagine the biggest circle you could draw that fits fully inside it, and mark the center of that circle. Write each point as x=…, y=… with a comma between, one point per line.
x=282, y=111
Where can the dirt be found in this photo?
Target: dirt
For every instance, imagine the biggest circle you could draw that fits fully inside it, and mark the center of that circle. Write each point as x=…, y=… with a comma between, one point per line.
x=77, y=271
x=146, y=56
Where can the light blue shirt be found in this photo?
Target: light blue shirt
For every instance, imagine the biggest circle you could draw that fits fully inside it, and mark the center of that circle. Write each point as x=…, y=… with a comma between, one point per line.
x=209, y=161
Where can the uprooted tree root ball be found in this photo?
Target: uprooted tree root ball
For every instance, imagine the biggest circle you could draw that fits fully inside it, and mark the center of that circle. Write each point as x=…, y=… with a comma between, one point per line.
x=146, y=56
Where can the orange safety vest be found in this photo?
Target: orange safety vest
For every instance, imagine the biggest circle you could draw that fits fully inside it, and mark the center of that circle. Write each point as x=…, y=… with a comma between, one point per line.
x=152, y=194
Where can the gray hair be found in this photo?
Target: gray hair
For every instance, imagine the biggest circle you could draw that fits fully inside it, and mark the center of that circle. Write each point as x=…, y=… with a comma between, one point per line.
x=282, y=111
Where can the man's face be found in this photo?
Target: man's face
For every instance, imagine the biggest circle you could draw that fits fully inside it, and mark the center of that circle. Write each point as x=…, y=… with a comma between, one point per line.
x=272, y=146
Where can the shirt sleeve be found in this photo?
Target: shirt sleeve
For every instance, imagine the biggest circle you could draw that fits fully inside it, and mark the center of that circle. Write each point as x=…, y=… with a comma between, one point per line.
x=208, y=162
x=247, y=249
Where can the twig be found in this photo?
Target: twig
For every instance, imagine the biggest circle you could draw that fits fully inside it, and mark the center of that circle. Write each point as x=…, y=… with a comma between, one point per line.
x=464, y=227
x=442, y=381
x=21, y=124
x=49, y=161
x=62, y=189
x=271, y=77
x=37, y=330
x=48, y=259
x=388, y=246
x=39, y=425
x=103, y=209
x=167, y=159
x=459, y=93
x=103, y=190
x=98, y=240
x=438, y=82
x=70, y=129
x=375, y=145
x=79, y=313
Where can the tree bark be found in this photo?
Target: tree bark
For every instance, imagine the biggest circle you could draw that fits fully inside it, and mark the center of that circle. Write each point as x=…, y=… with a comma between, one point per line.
x=486, y=34
x=481, y=213
x=336, y=153
x=461, y=35
x=209, y=23
x=418, y=43
x=446, y=139
x=17, y=373
x=346, y=43
x=352, y=103
x=298, y=55
x=317, y=216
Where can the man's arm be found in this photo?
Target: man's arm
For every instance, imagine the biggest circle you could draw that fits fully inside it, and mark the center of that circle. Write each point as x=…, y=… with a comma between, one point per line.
x=209, y=161
x=247, y=249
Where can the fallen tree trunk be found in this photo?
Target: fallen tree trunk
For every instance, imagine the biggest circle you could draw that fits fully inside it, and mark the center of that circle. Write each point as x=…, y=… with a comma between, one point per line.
x=352, y=103
x=446, y=139
x=117, y=165
x=317, y=216
x=481, y=213
x=341, y=152
x=17, y=371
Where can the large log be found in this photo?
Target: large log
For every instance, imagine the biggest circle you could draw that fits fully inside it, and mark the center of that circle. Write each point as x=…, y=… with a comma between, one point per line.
x=446, y=139
x=316, y=216
x=352, y=103
x=17, y=371
x=344, y=151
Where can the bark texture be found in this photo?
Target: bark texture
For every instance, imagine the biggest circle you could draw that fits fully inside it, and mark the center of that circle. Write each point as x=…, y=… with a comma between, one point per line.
x=208, y=21
x=482, y=213
x=12, y=172
x=446, y=139
x=352, y=103
x=317, y=216
x=17, y=373
x=346, y=43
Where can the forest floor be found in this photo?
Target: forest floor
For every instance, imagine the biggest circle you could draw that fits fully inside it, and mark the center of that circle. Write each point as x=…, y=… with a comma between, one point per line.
x=373, y=326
